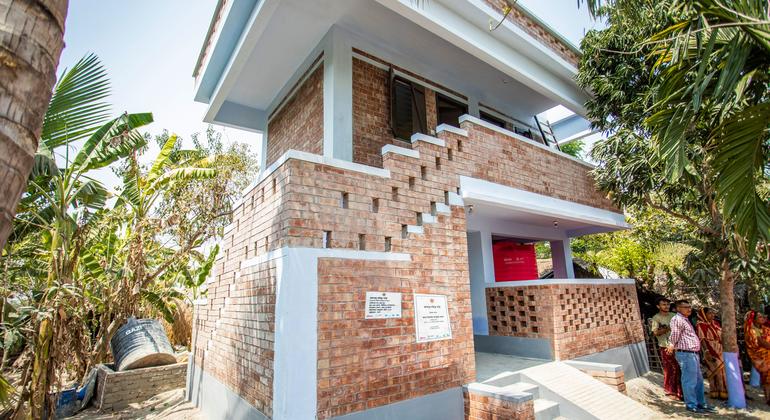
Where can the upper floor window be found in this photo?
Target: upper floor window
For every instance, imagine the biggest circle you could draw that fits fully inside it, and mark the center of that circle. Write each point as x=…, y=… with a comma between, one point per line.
x=407, y=108
x=492, y=119
x=449, y=110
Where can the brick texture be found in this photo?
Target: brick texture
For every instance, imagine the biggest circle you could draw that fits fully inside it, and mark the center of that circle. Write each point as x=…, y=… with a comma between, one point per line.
x=483, y=407
x=614, y=379
x=486, y=154
x=365, y=363
x=298, y=125
x=116, y=390
x=234, y=340
x=537, y=31
x=578, y=319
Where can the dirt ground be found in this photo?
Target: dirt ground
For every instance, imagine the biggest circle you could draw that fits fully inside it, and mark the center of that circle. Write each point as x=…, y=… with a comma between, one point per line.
x=168, y=405
x=648, y=390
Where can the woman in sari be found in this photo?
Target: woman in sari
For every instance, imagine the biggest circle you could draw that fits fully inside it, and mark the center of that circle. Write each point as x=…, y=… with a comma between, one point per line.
x=757, y=334
x=710, y=333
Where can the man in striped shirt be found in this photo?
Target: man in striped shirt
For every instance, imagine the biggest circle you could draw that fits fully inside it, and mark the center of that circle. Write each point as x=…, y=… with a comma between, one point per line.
x=686, y=344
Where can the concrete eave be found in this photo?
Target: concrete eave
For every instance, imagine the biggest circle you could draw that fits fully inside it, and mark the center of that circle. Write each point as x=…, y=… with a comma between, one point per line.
x=509, y=48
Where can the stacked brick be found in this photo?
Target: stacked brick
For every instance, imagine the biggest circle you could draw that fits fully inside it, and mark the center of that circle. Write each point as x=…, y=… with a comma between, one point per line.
x=117, y=390
x=486, y=407
x=579, y=319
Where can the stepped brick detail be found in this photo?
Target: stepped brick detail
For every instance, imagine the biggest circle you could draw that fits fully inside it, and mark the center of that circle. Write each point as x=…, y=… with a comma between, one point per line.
x=363, y=364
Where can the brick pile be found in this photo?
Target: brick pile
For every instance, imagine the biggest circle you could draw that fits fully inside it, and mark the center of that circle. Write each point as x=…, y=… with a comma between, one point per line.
x=116, y=390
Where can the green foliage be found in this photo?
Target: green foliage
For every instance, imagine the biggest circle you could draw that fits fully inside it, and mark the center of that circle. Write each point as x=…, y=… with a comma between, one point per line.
x=573, y=148
x=79, y=263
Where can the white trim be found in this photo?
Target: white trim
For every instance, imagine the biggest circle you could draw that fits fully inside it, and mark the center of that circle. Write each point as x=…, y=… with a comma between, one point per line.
x=478, y=121
x=427, y=139
x=529, y=202
x=566, y=282
x=295, y=363
x=509, y=49
x=455, y=199
x=231, y=226
x=443, y=208
x=451, y=129
x=390, y=148
x=321, y=160
x=415, y=229
x=253, y=30
x=398, y=73
x=351, y=254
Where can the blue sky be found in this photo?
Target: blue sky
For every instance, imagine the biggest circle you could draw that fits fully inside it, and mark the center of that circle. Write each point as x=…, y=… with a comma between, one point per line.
x=149, y=48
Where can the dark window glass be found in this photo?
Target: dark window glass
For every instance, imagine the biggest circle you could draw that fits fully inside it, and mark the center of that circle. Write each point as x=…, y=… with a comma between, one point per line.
x=407, y=108
x=492, y=120
x=449, y=110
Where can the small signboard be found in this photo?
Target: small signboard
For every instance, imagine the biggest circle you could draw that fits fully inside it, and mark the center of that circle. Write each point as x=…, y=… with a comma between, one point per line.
x=383, y=305
x=431, y=318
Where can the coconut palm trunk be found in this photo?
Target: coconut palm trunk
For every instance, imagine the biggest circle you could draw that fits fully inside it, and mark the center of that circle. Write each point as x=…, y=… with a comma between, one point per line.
x=31, y=41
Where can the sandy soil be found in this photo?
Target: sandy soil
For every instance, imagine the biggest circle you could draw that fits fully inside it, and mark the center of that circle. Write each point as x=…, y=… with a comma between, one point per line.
x=167, y=405
x=648, y=390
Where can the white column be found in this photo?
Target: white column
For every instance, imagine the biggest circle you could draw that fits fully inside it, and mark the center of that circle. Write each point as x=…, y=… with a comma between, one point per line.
x=561, y=255
x=338, y=95
x=473, y=107
x=489, y=263
x=478, y=284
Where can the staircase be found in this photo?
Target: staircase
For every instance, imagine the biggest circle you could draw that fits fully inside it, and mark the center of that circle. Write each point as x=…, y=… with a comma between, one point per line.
x=560, y=391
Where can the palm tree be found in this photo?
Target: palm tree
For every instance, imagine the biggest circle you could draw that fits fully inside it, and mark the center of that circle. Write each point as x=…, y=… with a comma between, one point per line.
x=31, y=41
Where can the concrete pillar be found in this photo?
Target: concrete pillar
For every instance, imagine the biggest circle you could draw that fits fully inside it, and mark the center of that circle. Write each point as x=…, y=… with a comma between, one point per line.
x=338, y=95
x=473, y=107
x=478, y=284
x=561, y=255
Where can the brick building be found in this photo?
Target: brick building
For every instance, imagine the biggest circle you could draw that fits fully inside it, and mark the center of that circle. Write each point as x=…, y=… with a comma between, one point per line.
x=358, y=278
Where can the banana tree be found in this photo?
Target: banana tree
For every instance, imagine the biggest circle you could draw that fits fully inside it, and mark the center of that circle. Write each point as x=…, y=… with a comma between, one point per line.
x=64, y=200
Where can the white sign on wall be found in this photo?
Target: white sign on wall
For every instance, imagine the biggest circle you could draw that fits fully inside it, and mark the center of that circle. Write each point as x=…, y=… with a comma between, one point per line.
x=383, y=305
x=431, y=318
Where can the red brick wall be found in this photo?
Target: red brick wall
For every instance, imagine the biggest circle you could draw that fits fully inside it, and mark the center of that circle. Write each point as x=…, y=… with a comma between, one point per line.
x=483, y=407
x=487, y=154
x=298, y=125
x=578, y=319
x=234, y=340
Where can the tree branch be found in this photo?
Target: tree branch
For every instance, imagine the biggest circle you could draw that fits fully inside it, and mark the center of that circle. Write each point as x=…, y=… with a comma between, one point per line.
x=686, y=218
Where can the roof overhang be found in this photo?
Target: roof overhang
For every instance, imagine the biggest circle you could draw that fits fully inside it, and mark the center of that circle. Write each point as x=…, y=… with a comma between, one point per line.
x=259, y=46
x=500, y=202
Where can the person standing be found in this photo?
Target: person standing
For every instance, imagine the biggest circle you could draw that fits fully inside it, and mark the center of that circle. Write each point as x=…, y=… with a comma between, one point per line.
x=757, y=337
x=686, y=344
x=710, y=333
x=659, y=325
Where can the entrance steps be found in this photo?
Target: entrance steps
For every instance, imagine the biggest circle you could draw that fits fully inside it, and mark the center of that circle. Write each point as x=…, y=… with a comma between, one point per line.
x=561, y=391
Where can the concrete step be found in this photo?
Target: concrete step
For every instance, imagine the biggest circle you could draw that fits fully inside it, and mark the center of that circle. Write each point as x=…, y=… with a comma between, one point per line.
x=546, y=409
x=524, y=387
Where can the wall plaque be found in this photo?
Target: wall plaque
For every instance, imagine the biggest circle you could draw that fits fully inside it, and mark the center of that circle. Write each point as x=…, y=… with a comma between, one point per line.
x=431, y=318
x=383, y=305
